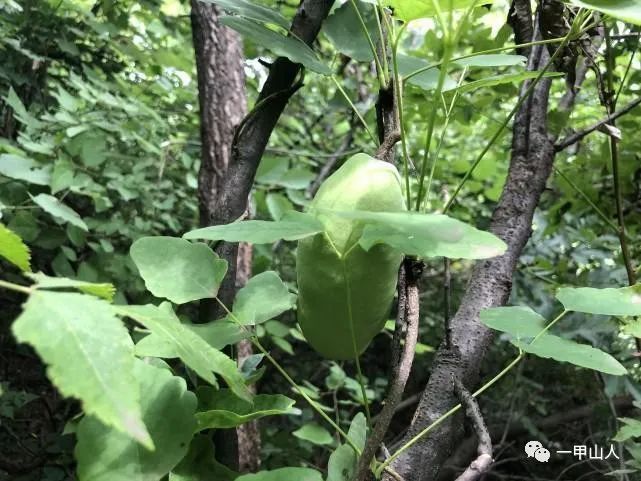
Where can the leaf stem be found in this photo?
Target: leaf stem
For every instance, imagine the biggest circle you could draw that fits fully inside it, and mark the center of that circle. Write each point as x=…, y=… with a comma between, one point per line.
x=351, y=104
x=288, y=378
x=477, y=393
x=379, y=68
x=15, y=287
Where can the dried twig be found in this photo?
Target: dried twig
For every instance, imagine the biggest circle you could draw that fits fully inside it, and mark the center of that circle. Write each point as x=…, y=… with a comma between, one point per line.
x=482, y=463
x=577, y=136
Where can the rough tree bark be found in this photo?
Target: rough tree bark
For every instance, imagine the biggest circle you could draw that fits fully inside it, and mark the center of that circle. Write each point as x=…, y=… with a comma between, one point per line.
x=531, y=161
x=223, y=104
x=233, y=142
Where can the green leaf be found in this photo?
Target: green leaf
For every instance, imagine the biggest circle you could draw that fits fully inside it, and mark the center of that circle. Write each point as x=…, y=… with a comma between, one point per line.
x=296, y=178
x=278, y=205
x=89, y=355
x=217, y=334
x=192, y=349
x=519, y=321
x=264, y=297
x=501, y=79
x=277, y=43
x=293, y=226
x=553, y=347
x=625, y=301
x=343, y=461
x=427, y=80
x=177, y=269
x=413, y=9
x=104, y=290
x=21, y=168
x=14, y=250
x=426, y=235
x=283, y=474
x=168, y=410
x=493, y=60
x=314, y=433
x=220, y=409
x=632, y=429
x=344, y=30
x=251, y=10
x=19, y=110
x=57, y=209
x=200, y=464
x=626, y=10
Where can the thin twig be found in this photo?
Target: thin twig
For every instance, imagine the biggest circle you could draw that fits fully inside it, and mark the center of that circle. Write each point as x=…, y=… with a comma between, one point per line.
x=577, y=136
x=404, y=345
x=482, y=463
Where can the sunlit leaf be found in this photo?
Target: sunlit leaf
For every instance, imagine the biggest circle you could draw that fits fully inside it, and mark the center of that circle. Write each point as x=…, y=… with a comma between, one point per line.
x=625, y=301
x=54, y=207
x=168, y=411
x=71, y=333
x=413, y=9
x=178, y=270
x=190, y=347
x=626, y=10
x=293, y=226
x=21, y=168
x=104, y=290
x=14, y=250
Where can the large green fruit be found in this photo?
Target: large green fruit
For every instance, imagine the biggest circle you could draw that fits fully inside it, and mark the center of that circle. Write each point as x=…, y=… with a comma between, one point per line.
x=345, y=292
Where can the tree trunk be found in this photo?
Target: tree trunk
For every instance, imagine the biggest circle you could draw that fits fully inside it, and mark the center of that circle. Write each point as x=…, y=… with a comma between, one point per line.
x=223, y=104
x=531, y=161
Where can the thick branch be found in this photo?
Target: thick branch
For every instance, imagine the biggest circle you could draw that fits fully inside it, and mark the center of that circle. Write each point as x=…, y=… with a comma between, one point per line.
x=578, y=136
x=404, y=344
x=253, y=133
x=490, y=285
x=482, y=463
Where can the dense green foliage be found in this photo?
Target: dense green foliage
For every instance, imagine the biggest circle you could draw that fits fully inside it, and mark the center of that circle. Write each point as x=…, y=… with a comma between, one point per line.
x=102, y=264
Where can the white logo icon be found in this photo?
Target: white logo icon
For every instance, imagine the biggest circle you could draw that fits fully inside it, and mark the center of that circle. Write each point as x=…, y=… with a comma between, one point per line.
x=531, y=447
x=542, y=455
x=535, y=449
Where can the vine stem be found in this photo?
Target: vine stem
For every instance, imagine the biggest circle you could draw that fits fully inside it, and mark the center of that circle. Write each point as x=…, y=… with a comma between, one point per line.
x=15, y=287
x=477, y=393
x=254, y=339
x=351, y=104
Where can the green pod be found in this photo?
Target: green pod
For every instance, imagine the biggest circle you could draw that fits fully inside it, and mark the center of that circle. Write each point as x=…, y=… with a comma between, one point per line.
x=345, y=292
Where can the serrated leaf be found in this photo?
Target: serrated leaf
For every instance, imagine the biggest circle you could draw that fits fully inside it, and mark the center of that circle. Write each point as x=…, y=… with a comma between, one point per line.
x=21, y=168
x=190, y=347
x=218, y=334
x=293, y=226
x=632, y=429
x=264, y=297
x=426, y=235
x=564, y=350
x=283, y=474
x=220, y=409
x=178, y=270
x=625, y=301
x=57, y=209
x=626, y=10
x=14, y=250
x=277, y=43
x=314, y=433
x=252, y=11
x=70, y=332
x=104, y=290
x=168, y=410
x=519, y=321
